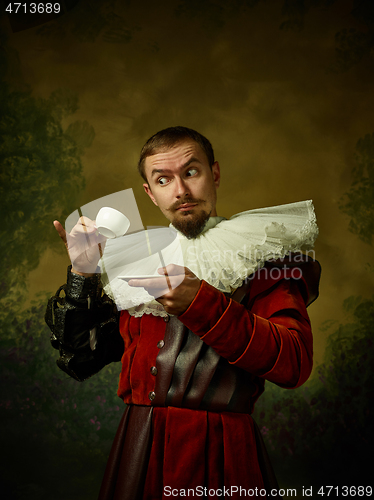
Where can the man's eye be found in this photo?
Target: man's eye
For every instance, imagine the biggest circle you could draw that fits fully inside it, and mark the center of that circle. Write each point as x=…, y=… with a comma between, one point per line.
x=191, y=171
x=162, y=181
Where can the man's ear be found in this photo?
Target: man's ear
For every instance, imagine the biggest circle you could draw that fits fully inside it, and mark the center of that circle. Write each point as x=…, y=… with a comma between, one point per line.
x=147, y=189
x=216, y=173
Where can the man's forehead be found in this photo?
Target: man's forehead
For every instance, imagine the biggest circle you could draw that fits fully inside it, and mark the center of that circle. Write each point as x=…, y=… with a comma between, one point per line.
x=178, y=154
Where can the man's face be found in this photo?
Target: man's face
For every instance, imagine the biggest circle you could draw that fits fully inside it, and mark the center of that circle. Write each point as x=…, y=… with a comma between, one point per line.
x=182, y=184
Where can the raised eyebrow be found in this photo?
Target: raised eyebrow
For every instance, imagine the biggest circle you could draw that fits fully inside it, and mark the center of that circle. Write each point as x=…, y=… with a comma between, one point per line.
x=159, y=171
x=165, y=171
x=191, y=160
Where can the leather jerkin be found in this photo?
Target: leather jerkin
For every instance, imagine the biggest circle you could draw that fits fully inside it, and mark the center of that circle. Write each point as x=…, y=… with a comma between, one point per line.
x=190, y=374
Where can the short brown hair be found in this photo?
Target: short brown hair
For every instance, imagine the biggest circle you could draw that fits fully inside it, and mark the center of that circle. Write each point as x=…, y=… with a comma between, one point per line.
x=167, y=139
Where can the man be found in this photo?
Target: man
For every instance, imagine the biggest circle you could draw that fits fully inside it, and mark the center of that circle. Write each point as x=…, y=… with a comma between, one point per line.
x=192, y=371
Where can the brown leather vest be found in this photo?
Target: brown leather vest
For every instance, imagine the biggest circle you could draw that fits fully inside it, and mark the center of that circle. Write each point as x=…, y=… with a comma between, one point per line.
x=190, y=374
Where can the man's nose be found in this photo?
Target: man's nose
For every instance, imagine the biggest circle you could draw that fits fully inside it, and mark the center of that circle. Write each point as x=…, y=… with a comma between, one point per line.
x=181, y=188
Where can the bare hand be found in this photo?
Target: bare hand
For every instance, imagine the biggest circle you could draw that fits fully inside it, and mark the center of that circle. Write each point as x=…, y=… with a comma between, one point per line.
x=175, y=291
x=84, y=245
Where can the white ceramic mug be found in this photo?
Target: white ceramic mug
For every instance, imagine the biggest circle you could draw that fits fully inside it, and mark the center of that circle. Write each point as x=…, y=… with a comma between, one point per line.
x=111, y=223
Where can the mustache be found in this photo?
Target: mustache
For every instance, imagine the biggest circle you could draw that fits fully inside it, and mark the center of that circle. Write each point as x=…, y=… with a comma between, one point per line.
x=177, y=204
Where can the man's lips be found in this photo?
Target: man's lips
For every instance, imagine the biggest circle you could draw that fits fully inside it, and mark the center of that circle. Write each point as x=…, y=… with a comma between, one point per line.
x=186, y=206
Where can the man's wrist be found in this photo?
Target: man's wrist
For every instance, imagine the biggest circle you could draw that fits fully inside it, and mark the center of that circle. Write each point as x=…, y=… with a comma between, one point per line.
x=81, y=287
x=85, y=275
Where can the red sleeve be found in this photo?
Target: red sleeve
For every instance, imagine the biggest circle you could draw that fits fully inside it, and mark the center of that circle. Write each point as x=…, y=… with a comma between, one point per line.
x=271, y=338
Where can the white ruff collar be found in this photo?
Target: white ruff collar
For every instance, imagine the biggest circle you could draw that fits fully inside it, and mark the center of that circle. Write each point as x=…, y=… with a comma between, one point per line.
x=224, y=254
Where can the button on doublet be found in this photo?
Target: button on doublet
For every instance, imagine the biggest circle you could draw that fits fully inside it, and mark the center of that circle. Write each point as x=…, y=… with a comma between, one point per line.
x=152, y=395
x=160, y=344
x=167, y=319
x=154, y=370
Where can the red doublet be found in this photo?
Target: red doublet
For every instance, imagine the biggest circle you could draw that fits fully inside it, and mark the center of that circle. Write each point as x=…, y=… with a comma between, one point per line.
x=269, y=337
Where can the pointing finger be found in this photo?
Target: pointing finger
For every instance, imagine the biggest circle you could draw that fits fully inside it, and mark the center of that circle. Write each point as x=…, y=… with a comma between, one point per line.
x=61, y=231
x=149, y=283
x=172, y=270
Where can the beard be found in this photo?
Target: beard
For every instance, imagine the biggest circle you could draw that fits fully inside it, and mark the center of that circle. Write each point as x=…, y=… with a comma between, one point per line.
x=191, y=226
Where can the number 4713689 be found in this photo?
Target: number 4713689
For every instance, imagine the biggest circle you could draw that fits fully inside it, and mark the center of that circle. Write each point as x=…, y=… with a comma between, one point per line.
x=33, y=8
x=346, y=491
